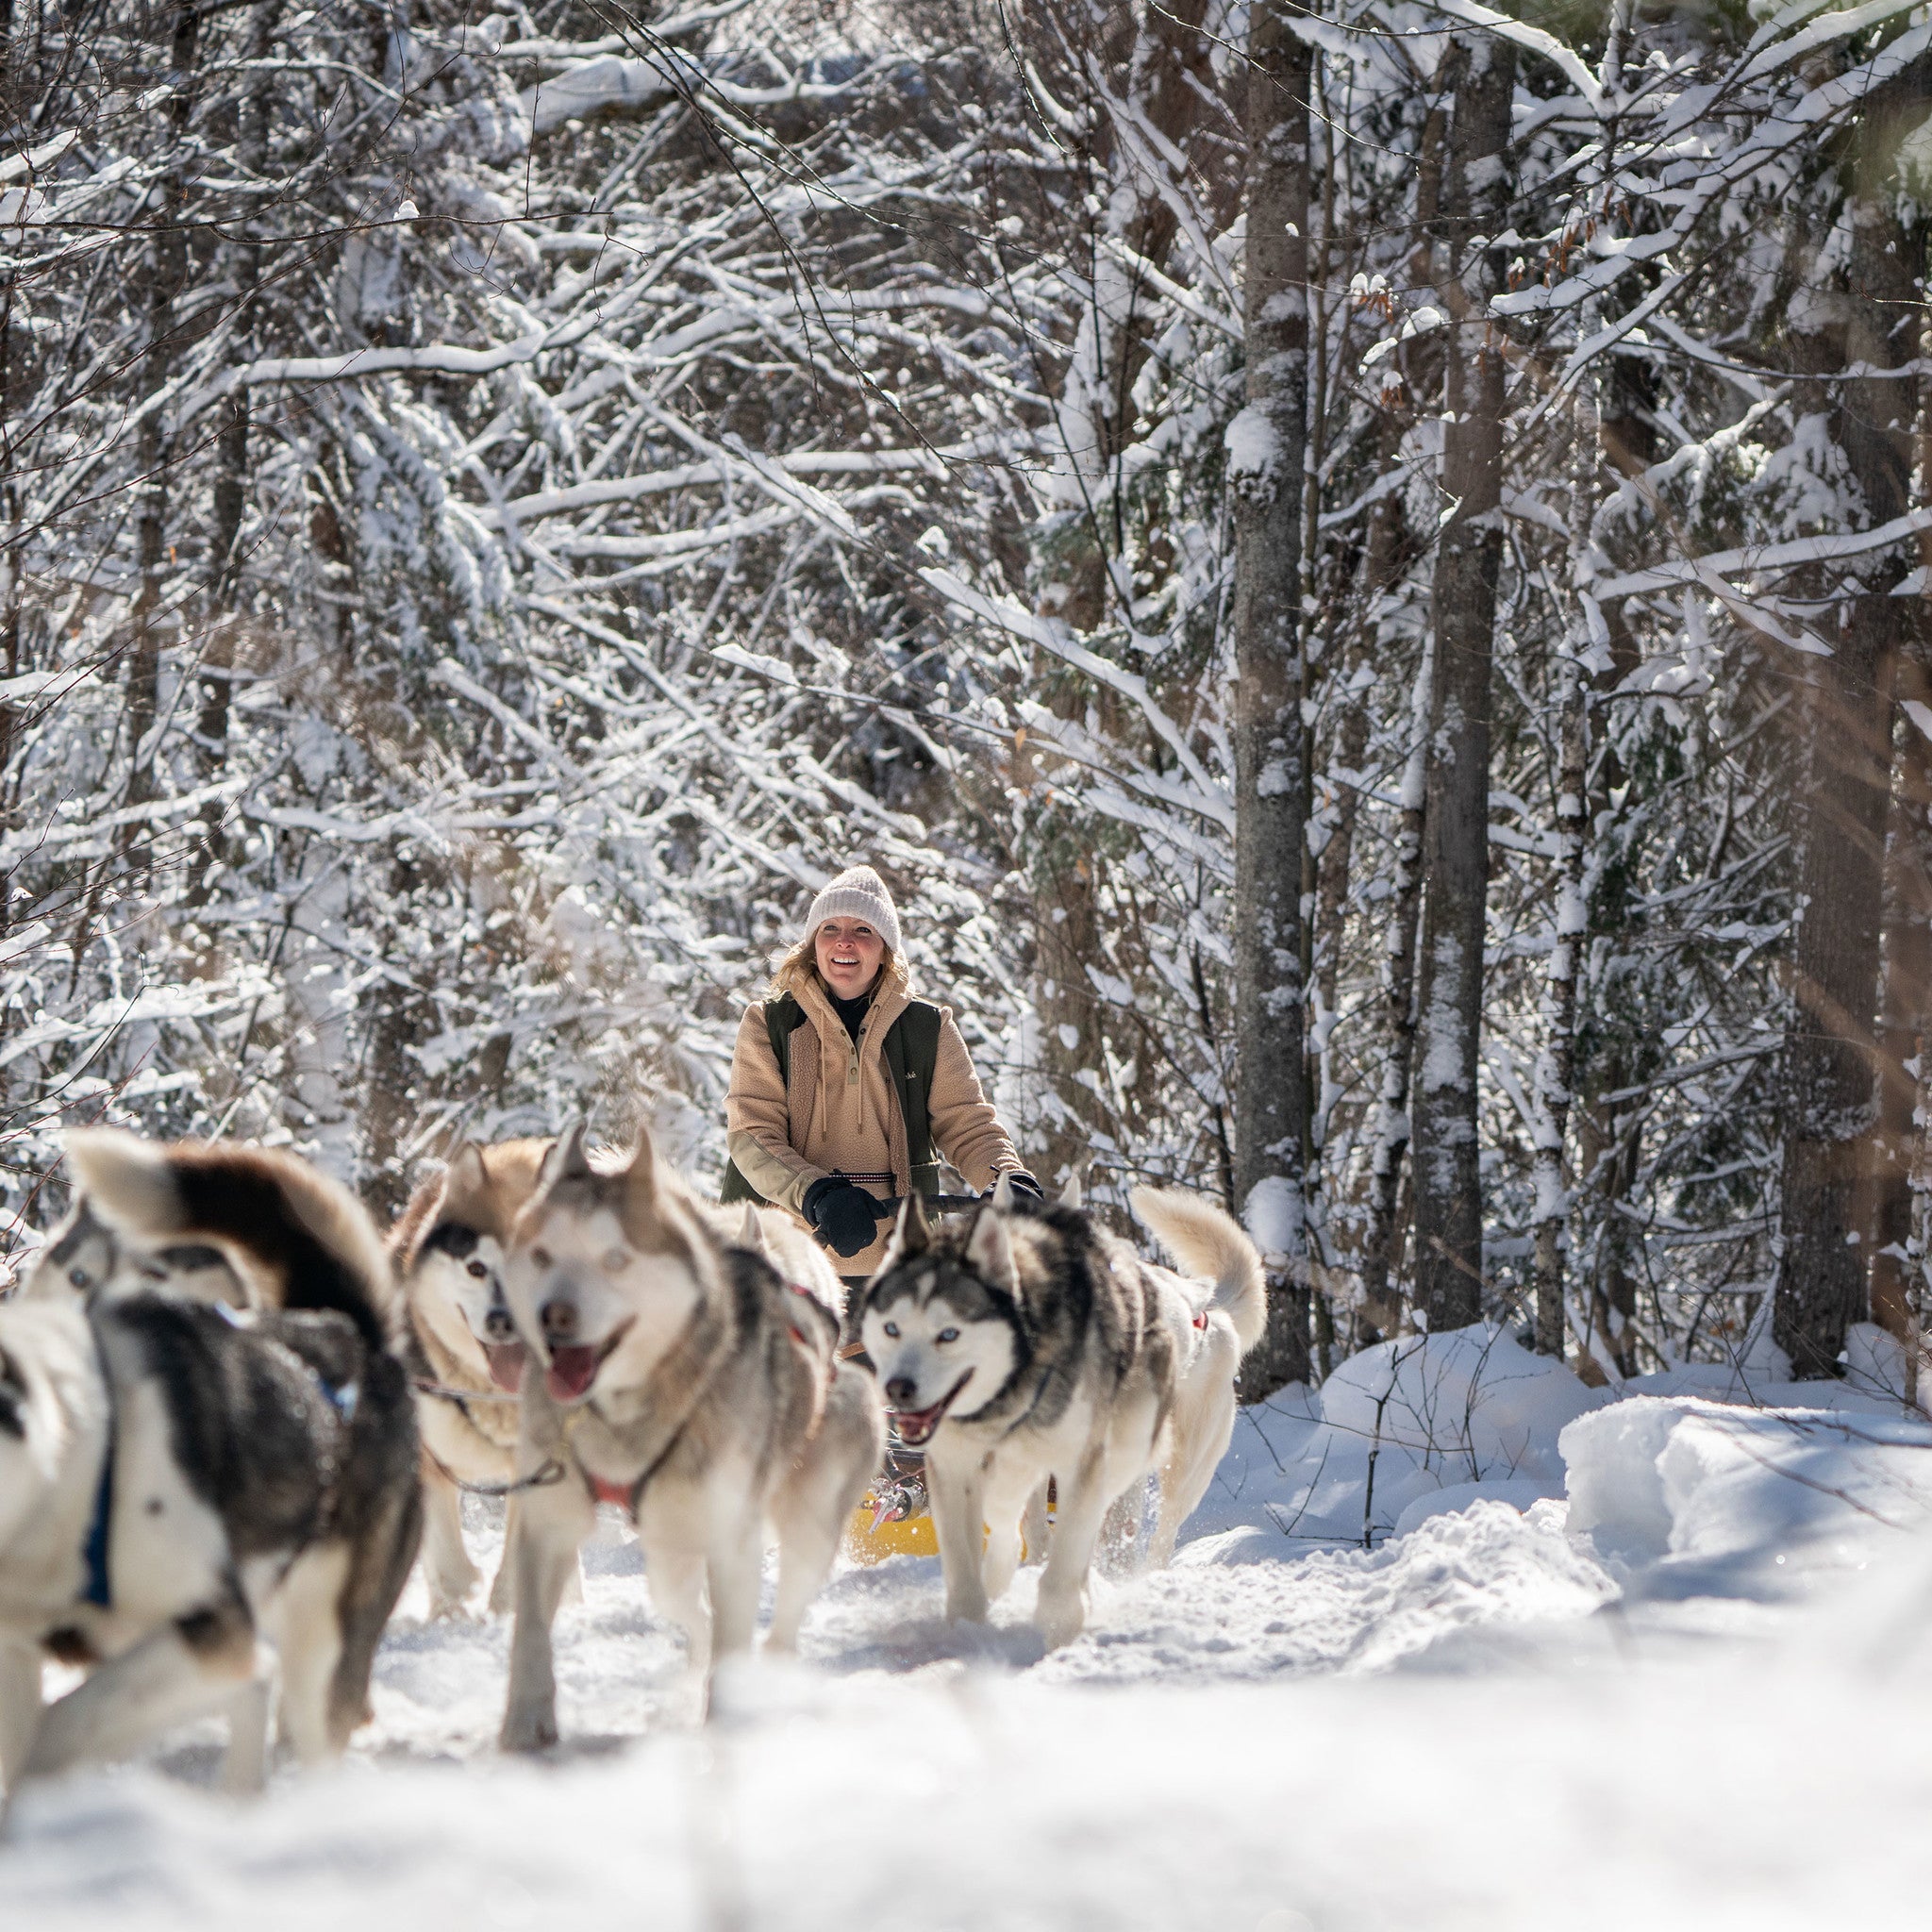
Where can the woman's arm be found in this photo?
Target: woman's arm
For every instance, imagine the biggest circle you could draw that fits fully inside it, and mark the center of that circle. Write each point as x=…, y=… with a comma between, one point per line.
x=757, y=1119
x=964, y=1126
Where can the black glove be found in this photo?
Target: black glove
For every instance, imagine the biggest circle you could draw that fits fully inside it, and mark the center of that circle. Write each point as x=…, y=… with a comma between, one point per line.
x=1023, y=1184
x=841, y=1214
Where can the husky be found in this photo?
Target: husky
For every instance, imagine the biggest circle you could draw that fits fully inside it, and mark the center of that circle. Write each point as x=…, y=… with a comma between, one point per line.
x=180, y=1479
x=1031, y=1342
x=466, y=1357
x=682, y=1376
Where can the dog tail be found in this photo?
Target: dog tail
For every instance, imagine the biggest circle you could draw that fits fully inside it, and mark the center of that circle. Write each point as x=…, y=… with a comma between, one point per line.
x=1205, y=1242
x=304, y=1241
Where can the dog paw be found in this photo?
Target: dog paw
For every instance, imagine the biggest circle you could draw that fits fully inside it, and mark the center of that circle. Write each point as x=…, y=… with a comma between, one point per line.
x=528, y=1730
x=445, y=1609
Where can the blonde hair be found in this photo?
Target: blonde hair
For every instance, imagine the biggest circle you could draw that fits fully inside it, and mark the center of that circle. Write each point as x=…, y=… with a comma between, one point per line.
x=801, y=964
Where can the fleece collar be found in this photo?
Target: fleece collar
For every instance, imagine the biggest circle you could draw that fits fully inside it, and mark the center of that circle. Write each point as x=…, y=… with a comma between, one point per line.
x=889, y=1002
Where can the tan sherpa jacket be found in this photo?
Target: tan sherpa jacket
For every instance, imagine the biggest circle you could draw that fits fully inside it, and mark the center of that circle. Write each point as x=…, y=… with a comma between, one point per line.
x=841, y=1113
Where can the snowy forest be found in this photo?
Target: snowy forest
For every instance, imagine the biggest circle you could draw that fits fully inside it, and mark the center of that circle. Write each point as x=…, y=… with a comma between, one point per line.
x=1361, y=570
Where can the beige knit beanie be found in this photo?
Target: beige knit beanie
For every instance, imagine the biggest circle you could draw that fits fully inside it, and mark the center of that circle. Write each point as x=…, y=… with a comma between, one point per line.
x=858, y=892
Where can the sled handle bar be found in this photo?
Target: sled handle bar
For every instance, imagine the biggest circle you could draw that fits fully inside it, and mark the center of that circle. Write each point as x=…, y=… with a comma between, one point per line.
x=933, y=1204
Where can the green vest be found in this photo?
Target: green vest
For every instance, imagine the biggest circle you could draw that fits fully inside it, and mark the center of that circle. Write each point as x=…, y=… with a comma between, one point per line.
x=912, y=1051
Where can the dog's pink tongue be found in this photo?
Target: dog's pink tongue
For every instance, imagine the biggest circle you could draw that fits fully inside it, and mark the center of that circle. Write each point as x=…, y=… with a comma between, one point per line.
x=572, y=1371
x=507, y=1365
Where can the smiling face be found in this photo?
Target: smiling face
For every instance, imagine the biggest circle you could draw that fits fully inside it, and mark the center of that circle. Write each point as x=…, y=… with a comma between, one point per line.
x=849, y=954
x=944, y=1343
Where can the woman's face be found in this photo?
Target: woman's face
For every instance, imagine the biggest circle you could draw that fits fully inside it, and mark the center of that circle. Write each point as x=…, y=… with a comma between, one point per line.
x=850, y=954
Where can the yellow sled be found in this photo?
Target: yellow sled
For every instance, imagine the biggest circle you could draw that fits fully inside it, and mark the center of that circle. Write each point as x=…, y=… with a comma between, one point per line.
x=910, y=1535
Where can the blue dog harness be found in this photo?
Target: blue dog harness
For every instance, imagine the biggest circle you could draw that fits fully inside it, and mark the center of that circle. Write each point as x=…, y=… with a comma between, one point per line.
x=93, y=1550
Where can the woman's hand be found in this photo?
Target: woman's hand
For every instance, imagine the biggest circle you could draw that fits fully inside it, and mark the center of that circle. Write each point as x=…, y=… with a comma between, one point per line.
x=1022, y=1183
x=841, y=1214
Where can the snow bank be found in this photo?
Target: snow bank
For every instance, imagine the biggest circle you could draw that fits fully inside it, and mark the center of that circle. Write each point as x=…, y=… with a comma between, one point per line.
x=1466, y=1411
x=1688, y=1498
x=1874, y=1382
x=1655, y=1471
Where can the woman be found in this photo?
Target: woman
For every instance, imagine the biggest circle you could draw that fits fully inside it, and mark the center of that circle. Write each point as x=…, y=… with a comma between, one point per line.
x=843, y=1086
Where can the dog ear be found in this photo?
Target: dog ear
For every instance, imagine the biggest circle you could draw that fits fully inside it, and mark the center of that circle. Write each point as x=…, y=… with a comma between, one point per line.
x=1003, y=1191
x=1072, y=1193
x=912, y=1235
x=566, y=1160
x=640, y=1170
x=465, y=1184
x=752, y=1233
x=990, y=1250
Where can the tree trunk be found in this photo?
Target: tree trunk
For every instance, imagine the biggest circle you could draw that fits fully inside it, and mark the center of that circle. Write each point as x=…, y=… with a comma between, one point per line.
x=1607, y=1157
x=1447, y=1177
x=1906, y=959
x=1381, y=1298
x=231, y=491
x=167, y=274
x=1266, y=445
x=1830, y=1056
x=1162, y=70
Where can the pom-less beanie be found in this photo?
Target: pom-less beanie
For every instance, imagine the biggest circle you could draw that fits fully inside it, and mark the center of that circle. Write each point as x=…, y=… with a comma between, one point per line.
x=858, y=892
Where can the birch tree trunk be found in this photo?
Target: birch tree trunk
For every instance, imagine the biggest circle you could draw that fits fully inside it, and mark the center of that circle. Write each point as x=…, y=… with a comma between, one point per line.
x=1266, y=446
x=1447, y=1178
x=1830, y=1048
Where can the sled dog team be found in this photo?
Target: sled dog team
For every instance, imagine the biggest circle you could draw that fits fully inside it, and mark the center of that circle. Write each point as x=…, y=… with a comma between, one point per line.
x=229, y=1413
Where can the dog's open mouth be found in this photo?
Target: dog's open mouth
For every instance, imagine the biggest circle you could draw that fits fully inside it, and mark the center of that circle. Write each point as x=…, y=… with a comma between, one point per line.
x=914, y=1426
x=574, y=1368
x=506, y=1360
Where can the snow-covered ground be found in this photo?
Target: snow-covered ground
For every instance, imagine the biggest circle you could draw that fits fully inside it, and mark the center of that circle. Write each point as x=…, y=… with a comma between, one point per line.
x=1654, y=1663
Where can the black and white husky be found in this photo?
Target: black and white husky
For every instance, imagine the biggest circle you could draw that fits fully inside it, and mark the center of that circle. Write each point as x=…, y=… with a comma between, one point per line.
x=179, y=1477
x=1032, y=1343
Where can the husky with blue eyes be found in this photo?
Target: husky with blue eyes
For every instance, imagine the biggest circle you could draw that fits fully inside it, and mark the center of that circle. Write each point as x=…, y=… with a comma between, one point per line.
x=1032, y=1343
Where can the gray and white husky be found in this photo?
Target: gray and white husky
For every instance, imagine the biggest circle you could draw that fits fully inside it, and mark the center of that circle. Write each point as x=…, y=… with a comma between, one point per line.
x=685, y=1378
x=177, y=1478
x=1032, y=1343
